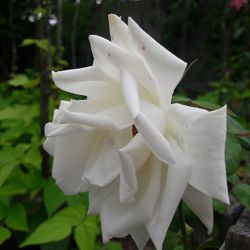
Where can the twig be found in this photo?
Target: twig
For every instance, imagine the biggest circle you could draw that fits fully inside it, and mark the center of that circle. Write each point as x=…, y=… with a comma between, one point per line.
x=243, y=134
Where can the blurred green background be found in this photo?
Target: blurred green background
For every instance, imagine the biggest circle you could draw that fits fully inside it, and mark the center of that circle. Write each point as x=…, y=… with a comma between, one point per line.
x=38, y=36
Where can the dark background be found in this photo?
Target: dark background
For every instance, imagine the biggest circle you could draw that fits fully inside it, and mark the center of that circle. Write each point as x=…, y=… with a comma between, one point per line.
x=216, y=33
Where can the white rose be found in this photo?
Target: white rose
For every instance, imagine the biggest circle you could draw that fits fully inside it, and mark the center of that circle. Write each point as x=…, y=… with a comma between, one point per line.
x=136, y=180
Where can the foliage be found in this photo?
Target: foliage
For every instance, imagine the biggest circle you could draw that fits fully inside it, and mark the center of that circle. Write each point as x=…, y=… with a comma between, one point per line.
x=27, y=201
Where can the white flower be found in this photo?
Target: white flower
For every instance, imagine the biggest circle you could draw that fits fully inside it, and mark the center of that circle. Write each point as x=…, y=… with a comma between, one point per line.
x=136, y=180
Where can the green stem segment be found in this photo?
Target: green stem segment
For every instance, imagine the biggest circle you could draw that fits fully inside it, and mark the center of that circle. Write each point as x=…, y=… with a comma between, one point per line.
x=183, y=228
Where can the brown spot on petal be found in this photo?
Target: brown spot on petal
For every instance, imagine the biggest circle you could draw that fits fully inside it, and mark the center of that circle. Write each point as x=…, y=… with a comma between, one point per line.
x=134, y=130
x=109, y=55
x=143, y=47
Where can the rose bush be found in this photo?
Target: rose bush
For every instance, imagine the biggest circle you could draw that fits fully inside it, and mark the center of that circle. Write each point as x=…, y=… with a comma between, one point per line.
x=136, y=153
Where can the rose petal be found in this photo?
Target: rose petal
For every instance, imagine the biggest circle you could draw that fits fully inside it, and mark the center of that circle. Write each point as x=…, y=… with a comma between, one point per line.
x=98, y=195
x=144, y=113
x=58, y=112
x=201, y=204
x=173, y=184
x=154, y=139
x=54, y=129
x=115, y=118
x=103, y=163
x=94, y=106
x=130, y=93
x=110, y=59
x=49, y=145
x=70, y=154
x=140, y=236
x=128, y=180
x=203, y=134
x=118, y=219
x=133, y=156
x=137, y=151
x=167, y=69
x=118, y=31
x=89, y=81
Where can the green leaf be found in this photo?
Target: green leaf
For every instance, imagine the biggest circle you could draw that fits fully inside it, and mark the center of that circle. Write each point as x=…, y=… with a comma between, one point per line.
x=17, y=112
x=43, y=44
x=80, y=199
x=33, y=179
x=242, y=193
x=233, y=179
x=59, y=245
x=49, y=231
x=4, y=234
x=4, y=206
x=233, y=126
x=188, y=213
x=11, y=155
x=170, y=241
x=32, y=83
x=33, y=157
x=233, y=154
x=40, y=43
x=12, y=134
x=56, y=228
x=112, y=245
x=179, y=248
x=181, y=99
x=206, y=105
x=218, y=206
x=72, y=215
x=16, y=218
x=245, y=142
x=209, y=243
x=210, y=97
x=27, y=42
x=3, y=210
x=85, y=233
x=5, y=171
x=13, y=189
x=19, y=80
x=53, y=197
x=62, y=62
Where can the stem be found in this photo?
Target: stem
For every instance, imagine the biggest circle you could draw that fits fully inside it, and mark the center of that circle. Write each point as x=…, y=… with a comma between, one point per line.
x=43, y=63
x=185, y=29
x=59, y=30
x=73, y=35
x=183, y=228
x=242, y=134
